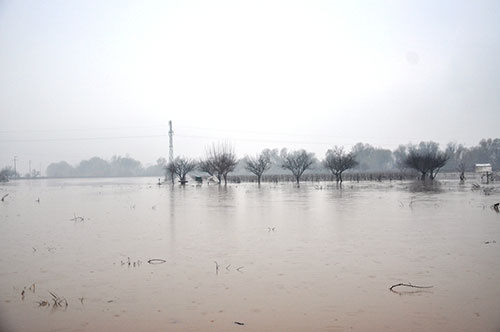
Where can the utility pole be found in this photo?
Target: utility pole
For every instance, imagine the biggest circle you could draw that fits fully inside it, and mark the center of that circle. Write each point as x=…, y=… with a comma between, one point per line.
x=15, y=166
x=170, y=143
x=171, y=148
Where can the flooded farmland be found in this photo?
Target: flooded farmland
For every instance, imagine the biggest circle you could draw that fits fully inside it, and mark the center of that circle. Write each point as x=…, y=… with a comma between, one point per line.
x=128, y=255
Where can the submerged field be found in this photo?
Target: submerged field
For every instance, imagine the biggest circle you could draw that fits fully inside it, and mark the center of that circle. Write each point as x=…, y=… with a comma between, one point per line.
x=313, y=258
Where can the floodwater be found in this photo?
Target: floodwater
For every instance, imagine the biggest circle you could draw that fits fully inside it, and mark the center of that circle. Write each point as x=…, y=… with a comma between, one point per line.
x=313, y=258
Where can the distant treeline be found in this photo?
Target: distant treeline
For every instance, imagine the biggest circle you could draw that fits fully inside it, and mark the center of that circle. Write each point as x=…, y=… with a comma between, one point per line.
x=98, y=167
x=372, y=160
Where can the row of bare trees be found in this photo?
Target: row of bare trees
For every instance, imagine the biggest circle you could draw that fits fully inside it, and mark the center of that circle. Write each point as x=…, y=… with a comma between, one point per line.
x=220, y=160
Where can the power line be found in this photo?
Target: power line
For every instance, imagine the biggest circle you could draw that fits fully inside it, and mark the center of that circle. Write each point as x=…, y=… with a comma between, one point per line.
x=312, y=141
x=273, y=141
x=79, y=129
x=164, y=126
x=288, y=134
x=266, y=140
x=77, y=139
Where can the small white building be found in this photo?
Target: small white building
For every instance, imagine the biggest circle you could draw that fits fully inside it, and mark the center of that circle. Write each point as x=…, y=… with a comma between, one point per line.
x=486, y=171
x=483, y=168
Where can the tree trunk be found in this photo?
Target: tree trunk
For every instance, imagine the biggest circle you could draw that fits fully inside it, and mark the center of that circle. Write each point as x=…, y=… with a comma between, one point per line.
x=462, y=177
x=337, y=178
x=340, y=176
x=258, y=179
x=225, y=179
x=422, y=178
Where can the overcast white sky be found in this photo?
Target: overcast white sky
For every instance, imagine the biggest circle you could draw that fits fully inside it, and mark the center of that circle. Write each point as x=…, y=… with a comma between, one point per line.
x=97, y=78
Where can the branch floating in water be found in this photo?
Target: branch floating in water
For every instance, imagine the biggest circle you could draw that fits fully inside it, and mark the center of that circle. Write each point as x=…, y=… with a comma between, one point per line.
x=156, y=261
x=58, y=302
x=408, y=285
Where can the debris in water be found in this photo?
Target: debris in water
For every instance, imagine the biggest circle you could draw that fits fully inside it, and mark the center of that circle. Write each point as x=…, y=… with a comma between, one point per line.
x=408, y=285
x=156, y=261
x=77, y=218
x=43, y=303
x=58, y=301
x=129, y=263
x=3, y=198
x=488, y=242
x=239, y=323
x=216, y=267
x=496, y=207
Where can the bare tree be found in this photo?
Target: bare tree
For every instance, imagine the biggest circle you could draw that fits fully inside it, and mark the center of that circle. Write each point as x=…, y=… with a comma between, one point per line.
x=297, y=162
x=220, y=160
x=258, y=164
x=181, y=167
x=461, y=167
x=456, y=153
x=427, y=159
x=338, y=161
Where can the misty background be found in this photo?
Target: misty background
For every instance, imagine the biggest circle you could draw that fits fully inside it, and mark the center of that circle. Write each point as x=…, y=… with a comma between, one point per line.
x=89, y=78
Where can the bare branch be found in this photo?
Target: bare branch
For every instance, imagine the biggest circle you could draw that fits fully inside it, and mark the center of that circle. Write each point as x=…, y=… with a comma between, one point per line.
x=408, y=285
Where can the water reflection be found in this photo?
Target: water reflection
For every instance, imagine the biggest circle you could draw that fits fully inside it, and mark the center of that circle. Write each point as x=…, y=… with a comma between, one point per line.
x=425, y=187
x=171, y=220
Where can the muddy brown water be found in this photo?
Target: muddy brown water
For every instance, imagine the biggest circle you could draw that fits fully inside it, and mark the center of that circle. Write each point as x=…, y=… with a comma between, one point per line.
x=313, y=258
